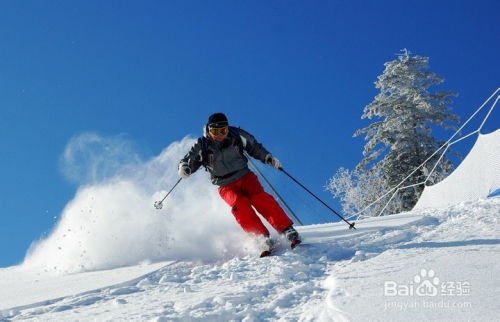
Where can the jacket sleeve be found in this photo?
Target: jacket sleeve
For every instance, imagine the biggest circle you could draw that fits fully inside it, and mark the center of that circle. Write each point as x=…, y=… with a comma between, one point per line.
x=252, y=146
x=193, y=159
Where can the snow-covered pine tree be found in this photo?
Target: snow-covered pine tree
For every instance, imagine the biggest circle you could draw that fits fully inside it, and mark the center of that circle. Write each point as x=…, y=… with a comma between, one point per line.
x=357, y=191
x=402, y=138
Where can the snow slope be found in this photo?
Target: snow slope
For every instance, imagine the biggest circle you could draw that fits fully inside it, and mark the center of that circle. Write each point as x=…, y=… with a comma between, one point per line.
x=27, y=287
x=476, y=177
x=338, y=274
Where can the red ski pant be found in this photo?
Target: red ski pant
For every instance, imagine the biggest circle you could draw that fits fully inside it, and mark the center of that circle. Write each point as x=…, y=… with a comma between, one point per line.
x=241, y=195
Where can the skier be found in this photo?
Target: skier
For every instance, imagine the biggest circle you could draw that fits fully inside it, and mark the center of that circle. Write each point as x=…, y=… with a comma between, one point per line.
x=220, y=151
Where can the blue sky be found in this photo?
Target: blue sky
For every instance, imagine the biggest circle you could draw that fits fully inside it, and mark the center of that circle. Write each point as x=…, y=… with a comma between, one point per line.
x=296, y=74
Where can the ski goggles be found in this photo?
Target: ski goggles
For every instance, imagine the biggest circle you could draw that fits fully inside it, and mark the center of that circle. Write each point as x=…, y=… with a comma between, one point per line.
x=218, y=131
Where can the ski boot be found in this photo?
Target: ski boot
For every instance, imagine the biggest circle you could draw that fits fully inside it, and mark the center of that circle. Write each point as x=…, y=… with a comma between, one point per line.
x=293, y=236
x=269, y=245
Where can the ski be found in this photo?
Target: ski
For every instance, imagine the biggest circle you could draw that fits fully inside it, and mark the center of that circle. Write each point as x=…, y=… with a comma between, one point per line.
x=265, y=253
x=295, y=243
x=275, y=246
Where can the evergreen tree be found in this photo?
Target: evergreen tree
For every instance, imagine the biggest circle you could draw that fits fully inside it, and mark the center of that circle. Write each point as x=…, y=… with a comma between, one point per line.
x=400, y=139
x=358, y=189
x=403, y=136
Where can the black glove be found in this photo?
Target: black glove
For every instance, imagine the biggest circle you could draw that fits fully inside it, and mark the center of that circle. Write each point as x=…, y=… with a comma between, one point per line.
x=184, y=170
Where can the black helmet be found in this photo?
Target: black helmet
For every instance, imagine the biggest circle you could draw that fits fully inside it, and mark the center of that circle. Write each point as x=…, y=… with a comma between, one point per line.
x=217, y=120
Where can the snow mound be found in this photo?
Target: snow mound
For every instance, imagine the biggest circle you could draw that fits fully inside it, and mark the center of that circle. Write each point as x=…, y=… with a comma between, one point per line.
x=477, y=176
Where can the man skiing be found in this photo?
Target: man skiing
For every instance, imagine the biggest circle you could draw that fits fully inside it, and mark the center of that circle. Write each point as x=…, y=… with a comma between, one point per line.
x=221, y=152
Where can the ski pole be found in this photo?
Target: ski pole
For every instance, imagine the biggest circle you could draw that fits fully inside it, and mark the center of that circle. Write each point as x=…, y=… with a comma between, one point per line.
x=159, y=204
x=351, y=225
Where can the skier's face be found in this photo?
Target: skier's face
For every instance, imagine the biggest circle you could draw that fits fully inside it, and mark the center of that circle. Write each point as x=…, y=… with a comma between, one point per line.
x=218, y=133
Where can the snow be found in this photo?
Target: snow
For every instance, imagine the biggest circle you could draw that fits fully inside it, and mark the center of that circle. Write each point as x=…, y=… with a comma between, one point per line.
x=112, y=257
x=26, y=287
x=338, y=274
x=477, y=176
x=112, y=223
